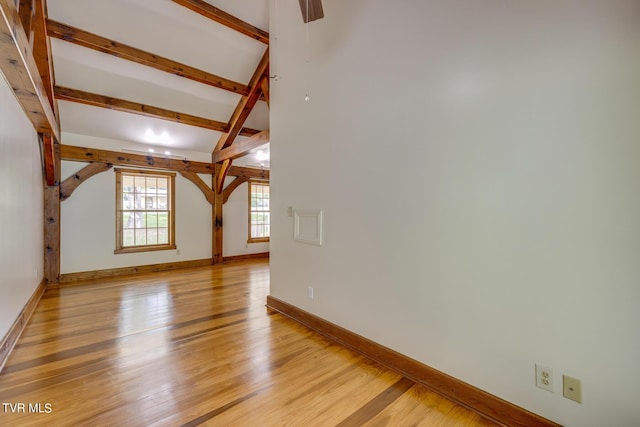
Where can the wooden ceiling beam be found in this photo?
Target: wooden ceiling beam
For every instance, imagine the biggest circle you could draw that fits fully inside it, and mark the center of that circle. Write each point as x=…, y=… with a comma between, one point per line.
x=246, y=104
x=21, y=72
x=26, y=9
x=102, y=101
x=241, y=148
x=120, y=50
x=240, y=115
x=244, y=172
x=95, y=100
x=209, y=11
x=83, y=154
x=42, y=51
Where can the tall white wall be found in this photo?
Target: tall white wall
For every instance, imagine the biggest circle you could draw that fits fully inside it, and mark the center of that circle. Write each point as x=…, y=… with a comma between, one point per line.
x=477, y=164
x=21, y=209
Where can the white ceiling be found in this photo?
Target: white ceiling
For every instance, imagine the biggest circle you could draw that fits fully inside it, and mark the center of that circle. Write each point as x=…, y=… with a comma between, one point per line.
x=167, y=29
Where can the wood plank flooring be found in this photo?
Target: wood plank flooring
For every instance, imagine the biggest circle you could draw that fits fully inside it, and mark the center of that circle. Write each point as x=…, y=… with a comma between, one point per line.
x=197, y=347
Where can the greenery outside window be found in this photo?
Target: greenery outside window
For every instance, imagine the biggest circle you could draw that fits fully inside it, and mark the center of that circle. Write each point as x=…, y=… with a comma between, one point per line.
x=145, y=211
x=259, y=214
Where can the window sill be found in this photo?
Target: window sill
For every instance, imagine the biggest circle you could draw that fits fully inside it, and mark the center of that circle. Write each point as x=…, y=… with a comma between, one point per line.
x=262, y=240
x=134, y=249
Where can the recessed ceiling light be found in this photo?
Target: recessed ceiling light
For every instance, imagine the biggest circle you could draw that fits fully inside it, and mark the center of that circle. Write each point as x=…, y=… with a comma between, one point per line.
x=151, y=150
x=261, y=155
x=157, y=138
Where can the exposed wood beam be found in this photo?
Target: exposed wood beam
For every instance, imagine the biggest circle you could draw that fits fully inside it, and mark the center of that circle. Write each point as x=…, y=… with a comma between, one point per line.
x=264, y=84
x=42, y=51
x=222, y=175
x=224, y=18
x=21, y=72
x=52, y=223
x=48, y=154
x=95, y=100
x=69, y=185
x=244, y=172
x=120, y=50
x=246, y=104
x=102, y=101
x=226, y=193
x=206, y=191
x=44, y=62
x=242, y=111
x=221, y=170
x=216, y=219
x=82, y=154
x=26, y=12
x=241, y=148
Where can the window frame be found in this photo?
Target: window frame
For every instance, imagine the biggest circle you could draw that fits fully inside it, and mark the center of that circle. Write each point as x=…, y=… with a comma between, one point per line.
x=250, y=239
x=120, y=248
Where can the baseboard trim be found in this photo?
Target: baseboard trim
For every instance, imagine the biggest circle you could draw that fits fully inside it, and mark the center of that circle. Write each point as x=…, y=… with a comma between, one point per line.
x=245, y=257
x=126, y=271
x=487, y=405
x=11, y=338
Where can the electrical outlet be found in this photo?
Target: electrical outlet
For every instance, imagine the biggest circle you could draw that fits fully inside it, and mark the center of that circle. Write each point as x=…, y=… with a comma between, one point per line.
x=572, y=388
x=544, y=378
x=310, y=292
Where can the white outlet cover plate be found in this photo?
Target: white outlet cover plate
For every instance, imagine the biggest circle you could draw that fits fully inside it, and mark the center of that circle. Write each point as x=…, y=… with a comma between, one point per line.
x=544, y=377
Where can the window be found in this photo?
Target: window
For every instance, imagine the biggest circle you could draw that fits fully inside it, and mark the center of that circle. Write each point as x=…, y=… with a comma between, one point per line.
x=145, y=211
x=259, y=216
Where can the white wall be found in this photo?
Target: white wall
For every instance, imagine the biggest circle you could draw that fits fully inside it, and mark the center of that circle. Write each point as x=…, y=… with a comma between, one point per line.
x=88, y=226
x=88, y=221
x=479, y=176
x=21, y=209
x=235, y=217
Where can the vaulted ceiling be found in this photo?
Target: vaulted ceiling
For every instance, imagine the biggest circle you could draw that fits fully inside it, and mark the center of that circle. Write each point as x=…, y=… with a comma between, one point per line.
x=169, y=75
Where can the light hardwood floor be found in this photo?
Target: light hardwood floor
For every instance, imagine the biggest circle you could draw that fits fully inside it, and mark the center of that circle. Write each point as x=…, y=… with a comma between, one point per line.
x=197, y=347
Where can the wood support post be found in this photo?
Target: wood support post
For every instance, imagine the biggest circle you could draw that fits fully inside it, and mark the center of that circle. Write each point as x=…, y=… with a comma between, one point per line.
x=52, y=224
x=217, y=218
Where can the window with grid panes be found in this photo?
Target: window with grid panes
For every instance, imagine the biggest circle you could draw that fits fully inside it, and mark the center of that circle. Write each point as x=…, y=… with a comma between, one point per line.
x=259, y=214
x=145, y=211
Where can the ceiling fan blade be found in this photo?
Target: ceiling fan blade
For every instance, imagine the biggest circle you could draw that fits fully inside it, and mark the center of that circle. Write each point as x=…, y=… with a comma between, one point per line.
x=315, y=10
